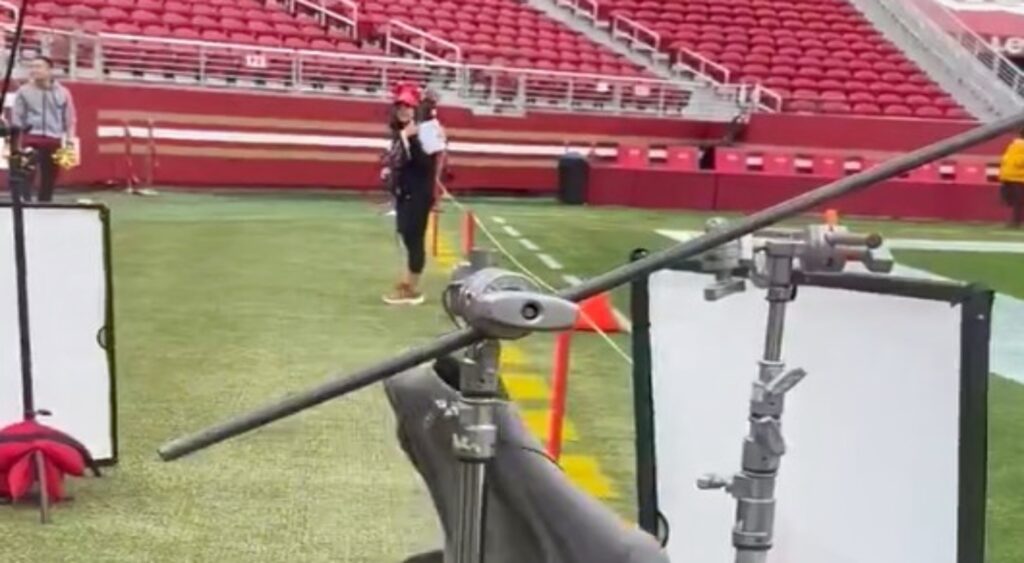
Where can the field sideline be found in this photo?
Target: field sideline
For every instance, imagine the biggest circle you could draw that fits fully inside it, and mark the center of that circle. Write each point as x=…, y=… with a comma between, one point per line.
x=226, y=301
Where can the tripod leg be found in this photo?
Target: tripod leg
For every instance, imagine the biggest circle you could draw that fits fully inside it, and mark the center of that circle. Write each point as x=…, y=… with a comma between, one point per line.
x=474, y=447
x=44, y=497
x=472, y=494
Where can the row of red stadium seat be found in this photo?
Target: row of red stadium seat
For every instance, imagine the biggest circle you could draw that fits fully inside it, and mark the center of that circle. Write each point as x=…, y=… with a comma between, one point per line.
x=168, y=4
x=503, y=32
x=820, y=57
x=231, y=21
x=793, y=47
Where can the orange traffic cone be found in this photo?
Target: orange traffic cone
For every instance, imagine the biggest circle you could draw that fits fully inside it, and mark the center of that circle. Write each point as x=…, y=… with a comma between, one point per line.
x=597, y=311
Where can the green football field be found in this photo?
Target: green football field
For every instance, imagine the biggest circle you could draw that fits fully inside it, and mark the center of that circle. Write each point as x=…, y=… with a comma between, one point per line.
x=224, y=302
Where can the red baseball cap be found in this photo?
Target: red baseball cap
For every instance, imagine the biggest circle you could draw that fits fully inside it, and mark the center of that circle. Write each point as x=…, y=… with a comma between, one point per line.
x=406, y=94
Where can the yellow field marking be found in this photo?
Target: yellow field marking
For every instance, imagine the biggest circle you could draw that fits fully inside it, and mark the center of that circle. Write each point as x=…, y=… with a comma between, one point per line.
x=585, y=471
x=537, y=422
x=512, y=356
x=525, y=386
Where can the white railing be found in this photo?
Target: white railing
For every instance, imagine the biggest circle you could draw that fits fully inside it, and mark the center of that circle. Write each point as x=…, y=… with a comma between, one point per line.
x=586, y=9
x=702, y=65
x=500, y=86
x=347, y=19
x=129, y=58
x=946, y=20
x=9, y=8
x=639, y=36
x=404, y=39
x=963, y=59
x=766, y=99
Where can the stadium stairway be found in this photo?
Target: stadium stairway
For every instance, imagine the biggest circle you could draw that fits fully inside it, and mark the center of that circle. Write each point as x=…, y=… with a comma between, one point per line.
x=705, y=100
x=601, y=35
x=821, y=57
x=534, y=35
x=974, y=73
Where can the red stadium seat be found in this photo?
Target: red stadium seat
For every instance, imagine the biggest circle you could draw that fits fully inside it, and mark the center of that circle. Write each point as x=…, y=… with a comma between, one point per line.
x=867, y=109
x=969, y=172
x=898, y=110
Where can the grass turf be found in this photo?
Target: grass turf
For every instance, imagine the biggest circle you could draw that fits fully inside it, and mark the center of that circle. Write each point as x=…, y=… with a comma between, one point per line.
x=224, y=302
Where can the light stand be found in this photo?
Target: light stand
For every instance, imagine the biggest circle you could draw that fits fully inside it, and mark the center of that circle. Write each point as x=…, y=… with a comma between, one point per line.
x=503, y=305
x=816, y=248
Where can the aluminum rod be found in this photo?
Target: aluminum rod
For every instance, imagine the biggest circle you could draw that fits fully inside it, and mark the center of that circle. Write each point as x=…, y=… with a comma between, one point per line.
x=341, y=385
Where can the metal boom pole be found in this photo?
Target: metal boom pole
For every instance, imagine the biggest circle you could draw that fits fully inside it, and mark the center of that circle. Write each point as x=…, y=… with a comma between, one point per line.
x=341, y=384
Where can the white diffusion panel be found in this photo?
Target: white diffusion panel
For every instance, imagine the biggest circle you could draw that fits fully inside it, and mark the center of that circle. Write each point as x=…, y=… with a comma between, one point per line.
x=67, y=308
x=871, y=475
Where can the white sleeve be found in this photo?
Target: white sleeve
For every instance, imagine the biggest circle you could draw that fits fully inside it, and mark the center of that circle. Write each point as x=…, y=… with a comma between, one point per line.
x=431, y=137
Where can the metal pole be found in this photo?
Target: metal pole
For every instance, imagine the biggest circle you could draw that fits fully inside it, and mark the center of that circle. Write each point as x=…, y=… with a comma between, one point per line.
x=342, y=384
x=151, y=164
x=474, y=446
x=19, y=182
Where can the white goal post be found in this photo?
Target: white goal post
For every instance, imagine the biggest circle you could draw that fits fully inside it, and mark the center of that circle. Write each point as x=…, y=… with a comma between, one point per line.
x=886, y=436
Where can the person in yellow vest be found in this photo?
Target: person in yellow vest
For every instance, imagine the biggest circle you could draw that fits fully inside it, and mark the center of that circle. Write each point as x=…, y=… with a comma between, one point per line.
x=1011, y=176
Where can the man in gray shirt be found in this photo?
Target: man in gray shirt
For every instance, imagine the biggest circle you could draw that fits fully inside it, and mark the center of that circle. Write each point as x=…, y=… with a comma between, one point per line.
x=47, y=108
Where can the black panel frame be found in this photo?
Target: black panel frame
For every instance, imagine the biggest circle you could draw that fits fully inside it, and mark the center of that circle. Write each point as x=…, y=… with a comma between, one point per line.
x=108, y=332
x=975, y=302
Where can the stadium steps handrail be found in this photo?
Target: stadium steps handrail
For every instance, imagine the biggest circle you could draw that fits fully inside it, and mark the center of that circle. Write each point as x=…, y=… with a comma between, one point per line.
x=648, y=44
x=396, y=37
x=348, y=21
x=983, y=80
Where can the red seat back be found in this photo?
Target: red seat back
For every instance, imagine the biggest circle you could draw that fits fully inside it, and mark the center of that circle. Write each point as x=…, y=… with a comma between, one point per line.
x=730, y=160
x=632, y=156
x=927, y=173
x=970, y=172
x=778, y=164
x=828, y=166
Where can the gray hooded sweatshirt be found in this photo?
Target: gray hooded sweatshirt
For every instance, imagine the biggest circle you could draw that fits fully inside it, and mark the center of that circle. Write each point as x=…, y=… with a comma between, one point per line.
x=49, y=111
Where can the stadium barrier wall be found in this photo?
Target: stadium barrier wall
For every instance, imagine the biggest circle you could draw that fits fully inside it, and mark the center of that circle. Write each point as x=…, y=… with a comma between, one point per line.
x=208, y=137
x=741, y=192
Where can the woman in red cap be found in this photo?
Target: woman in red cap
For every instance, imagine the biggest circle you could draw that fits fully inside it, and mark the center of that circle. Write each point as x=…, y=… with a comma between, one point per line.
x=411, y=181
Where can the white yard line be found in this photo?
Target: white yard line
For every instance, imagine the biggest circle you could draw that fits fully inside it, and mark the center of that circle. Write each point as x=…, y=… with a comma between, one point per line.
x=571, y=279
x=499, y=220
x=529, y=244
x=512, y=232
x=549, y=261
x=623, y=320
x=956, y=245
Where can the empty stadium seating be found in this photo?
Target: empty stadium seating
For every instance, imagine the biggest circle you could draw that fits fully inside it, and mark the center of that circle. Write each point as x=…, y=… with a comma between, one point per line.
x=821, y=55
x=236, y=21
x=503, y=33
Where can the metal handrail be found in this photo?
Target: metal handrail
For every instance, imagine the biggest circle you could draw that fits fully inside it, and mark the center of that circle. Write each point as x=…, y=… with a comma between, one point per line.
x=926, y=15
x=703, y=65
x=763, y=97
x=392, y=40
x=325, y=15
x=766, y=98
x=11, y=6
x=589, y=9
x=638, y=34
